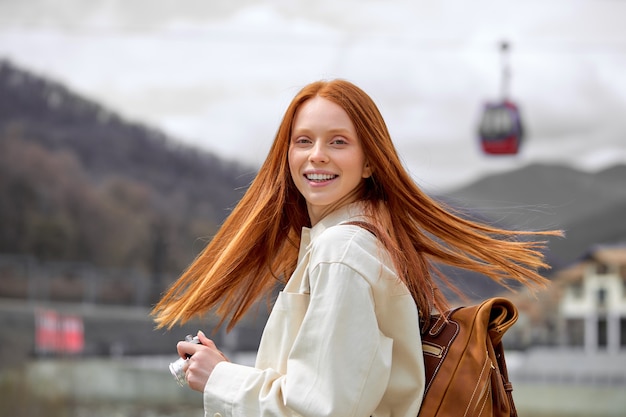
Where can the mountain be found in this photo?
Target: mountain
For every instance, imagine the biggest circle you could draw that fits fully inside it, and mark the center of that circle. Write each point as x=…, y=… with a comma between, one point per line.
x=589, y=207
x=79, y=183
x=47, y=113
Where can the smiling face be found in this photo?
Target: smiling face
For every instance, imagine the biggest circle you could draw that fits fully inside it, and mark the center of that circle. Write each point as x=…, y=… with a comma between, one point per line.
x=326, y=159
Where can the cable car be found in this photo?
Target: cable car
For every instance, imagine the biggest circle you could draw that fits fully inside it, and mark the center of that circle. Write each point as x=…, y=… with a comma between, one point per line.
x=500, y=129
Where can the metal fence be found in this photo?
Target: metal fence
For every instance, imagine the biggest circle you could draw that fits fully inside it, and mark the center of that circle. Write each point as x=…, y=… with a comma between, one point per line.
x=25, y=277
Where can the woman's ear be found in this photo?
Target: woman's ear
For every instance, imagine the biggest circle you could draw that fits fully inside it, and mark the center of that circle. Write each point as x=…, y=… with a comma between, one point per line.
x=367, y=170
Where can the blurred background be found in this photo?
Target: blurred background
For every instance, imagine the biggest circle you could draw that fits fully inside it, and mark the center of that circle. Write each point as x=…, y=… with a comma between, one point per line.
x=129, y=129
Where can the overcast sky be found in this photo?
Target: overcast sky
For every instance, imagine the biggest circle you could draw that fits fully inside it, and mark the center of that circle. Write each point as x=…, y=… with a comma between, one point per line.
x=219, y=74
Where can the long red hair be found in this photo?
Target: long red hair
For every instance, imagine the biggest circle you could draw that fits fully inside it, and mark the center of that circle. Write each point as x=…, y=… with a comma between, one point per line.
x=258, y=243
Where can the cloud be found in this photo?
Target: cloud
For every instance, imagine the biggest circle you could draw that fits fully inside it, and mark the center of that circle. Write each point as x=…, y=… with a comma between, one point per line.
x=220, y=74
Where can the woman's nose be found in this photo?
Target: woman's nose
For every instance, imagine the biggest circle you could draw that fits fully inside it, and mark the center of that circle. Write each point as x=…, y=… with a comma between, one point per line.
x=318, y=152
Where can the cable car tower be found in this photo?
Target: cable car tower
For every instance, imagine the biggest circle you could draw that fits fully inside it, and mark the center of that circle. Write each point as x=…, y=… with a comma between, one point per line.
x=500, y=129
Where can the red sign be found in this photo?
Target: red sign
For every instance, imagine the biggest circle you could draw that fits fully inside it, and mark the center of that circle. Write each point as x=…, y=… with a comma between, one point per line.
x=58, y=334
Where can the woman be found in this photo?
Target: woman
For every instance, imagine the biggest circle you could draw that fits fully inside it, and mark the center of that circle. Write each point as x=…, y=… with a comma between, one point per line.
x=343, y=336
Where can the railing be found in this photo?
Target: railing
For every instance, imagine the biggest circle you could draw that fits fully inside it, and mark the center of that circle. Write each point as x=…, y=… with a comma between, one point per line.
x=25, y=277
x=566, y=366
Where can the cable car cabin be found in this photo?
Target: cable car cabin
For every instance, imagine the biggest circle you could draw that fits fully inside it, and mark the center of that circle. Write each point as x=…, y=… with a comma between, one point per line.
x=500, y=128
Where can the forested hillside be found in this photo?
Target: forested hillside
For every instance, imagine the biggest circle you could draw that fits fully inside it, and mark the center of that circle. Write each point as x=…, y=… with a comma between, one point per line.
x=80, y=183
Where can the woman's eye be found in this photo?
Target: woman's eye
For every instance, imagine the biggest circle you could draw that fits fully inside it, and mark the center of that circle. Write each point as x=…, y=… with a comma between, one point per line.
x=339, y=141
x=302, y=140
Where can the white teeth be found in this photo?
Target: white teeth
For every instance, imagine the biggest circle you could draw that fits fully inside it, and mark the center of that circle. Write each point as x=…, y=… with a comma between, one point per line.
x=320, y=177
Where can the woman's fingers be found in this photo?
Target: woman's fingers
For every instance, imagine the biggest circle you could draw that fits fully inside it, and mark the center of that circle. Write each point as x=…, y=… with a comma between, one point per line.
x=201, y=365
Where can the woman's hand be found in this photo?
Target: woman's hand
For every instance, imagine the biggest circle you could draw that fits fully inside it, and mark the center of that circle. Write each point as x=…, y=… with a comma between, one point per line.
x=204, y=358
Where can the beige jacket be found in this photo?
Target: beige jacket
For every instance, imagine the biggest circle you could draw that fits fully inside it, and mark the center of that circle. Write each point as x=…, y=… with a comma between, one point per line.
x=342, y=338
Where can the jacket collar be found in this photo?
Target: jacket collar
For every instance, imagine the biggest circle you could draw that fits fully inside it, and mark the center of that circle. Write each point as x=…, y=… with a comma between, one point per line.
x=343, y=214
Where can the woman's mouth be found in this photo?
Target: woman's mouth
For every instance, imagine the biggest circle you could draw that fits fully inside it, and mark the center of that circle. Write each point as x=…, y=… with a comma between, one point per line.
x=320, y=177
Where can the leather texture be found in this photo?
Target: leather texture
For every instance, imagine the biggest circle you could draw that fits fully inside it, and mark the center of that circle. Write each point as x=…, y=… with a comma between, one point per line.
x=466, y=373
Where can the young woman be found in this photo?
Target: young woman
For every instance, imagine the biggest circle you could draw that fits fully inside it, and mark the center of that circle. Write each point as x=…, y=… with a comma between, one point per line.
x=343, y=336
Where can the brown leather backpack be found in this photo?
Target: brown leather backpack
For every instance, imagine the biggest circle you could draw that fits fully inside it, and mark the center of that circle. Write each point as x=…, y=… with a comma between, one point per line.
x=466, y=373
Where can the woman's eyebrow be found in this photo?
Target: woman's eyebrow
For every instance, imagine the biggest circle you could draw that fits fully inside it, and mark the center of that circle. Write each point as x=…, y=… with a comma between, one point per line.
x=334, y=131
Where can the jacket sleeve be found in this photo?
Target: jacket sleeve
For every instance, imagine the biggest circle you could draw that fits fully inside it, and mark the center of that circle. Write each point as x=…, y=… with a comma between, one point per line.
x=339, y=364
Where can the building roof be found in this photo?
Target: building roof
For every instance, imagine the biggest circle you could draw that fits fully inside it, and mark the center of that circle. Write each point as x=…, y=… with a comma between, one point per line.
x=607, y=254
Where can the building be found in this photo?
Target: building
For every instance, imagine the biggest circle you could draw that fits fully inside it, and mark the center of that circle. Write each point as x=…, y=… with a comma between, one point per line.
x=592, y=309
x=575, y=363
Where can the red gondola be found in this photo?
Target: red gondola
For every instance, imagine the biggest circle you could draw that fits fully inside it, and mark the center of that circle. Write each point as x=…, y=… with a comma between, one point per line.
x=500, y=130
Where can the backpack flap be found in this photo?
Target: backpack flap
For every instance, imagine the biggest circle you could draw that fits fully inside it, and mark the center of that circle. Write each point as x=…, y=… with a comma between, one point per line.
x=502, y=315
